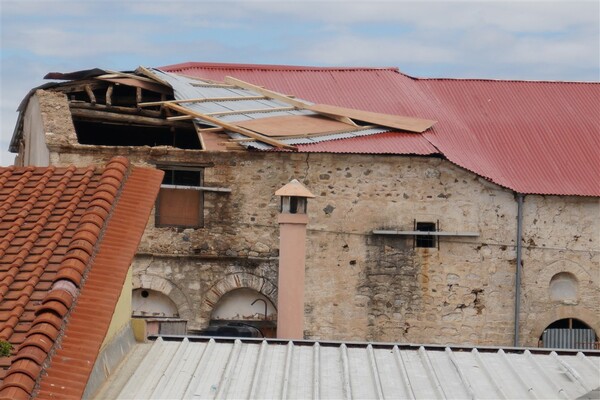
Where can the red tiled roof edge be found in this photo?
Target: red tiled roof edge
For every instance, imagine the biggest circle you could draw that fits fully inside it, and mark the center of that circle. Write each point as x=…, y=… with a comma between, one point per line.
x=48, y=326
x=71, y=365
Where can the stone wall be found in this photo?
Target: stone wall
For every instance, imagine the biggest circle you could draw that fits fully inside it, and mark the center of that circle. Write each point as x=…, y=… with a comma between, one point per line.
x=361, y=286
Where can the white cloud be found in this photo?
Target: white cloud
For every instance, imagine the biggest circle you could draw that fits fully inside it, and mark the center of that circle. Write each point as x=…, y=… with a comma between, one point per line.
x=555, y=40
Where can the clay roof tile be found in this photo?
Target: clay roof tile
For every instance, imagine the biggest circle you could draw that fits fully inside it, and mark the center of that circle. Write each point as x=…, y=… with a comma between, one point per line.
x=63, y=211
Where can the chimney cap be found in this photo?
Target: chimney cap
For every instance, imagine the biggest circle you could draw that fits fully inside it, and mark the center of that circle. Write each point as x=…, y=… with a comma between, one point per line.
x=294, y=189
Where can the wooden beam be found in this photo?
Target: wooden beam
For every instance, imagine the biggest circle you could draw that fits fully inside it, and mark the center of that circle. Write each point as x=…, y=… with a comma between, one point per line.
x=282, y=97
x=392, y=121
x=251, y=111
x=90, y=93
x=216, y=129
x=207, y=84
x=230, y=127
x=104, y=116
x=265, y=92
x=138, y=96
x=180, y=118
x=115, y=109
x=201, y=138
x=202, y=100
x=109, y=91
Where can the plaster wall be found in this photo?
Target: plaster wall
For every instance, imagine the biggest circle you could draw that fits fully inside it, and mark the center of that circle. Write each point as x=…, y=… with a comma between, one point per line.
x=34, y=149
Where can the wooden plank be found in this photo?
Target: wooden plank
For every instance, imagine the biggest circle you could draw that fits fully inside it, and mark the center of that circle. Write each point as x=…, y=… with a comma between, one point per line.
x=201, y=138
x=251, y=111
x=265, y=92
x=294, y=125
x=281, y=97
x=214, y=141
x=392, y=121
x=206, y=130
x=151, y=86
x=202, y=100
x=180, y=118
x=208, y=84
x=230, y=127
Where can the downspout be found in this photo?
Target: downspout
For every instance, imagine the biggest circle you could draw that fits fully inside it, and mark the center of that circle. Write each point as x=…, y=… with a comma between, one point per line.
x=520, y=198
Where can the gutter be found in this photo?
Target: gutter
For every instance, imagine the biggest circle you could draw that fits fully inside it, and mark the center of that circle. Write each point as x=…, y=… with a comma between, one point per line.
x=520, y=198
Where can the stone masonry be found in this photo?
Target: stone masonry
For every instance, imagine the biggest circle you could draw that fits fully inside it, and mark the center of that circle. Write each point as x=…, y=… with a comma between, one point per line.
x=359, y=285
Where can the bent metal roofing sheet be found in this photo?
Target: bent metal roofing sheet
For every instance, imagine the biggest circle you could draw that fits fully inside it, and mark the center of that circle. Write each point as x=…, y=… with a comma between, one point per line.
x=253, y=369
x=67, y=238
x=532, y=137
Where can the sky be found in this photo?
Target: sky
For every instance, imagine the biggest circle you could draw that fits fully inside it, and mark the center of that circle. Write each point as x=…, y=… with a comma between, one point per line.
x=515, y=40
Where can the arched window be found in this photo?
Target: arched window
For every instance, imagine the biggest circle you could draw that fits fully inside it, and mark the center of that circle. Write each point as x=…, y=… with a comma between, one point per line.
x=242, y=310
x=563, y=287
x=569, y=333
x=152, y=304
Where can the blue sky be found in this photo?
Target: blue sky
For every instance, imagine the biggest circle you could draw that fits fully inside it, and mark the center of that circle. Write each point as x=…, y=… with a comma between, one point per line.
x=532, y=40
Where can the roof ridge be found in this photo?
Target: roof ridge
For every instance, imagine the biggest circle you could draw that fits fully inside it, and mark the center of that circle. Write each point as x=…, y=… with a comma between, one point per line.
x=106, y=277
x=272, y=67
x=532, y=81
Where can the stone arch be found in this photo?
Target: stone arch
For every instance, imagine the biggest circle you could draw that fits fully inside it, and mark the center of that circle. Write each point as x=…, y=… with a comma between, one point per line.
x=166, y=287
x=589, y=317
x=564, y=287
x=556, y=267
x=234, y=281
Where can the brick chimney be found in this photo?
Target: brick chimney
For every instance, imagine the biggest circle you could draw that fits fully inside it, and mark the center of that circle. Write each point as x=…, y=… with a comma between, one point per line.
x=292, y=253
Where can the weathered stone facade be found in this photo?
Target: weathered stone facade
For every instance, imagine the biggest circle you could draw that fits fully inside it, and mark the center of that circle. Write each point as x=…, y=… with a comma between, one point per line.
x=360, y=285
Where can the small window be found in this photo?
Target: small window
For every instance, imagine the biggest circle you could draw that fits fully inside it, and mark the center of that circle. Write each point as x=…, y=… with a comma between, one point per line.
x=425, y=240
x=180, y=203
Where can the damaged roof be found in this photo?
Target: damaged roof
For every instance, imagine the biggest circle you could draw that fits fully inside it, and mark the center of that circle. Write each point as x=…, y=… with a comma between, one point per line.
x=532, y=137
x=178, y=368
x=67, y=238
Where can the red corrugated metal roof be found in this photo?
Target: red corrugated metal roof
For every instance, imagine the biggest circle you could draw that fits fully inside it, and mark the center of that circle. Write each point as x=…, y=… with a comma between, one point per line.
x=532, y=137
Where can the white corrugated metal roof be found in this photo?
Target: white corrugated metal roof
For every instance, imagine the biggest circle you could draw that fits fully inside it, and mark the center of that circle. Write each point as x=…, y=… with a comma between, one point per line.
x=255, y=369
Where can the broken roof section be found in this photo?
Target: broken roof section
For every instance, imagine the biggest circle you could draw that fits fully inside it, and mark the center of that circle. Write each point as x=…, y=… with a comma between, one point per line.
x=259, y=118
x=532, y=137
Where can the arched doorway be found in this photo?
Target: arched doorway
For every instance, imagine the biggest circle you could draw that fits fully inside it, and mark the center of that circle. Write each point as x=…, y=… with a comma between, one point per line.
x=151, y=303
x=159, y=312
x=243, y=312
x=569, y=333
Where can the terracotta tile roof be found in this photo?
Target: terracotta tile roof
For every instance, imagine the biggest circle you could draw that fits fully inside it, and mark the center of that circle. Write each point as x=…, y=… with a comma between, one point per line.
x=67, y=238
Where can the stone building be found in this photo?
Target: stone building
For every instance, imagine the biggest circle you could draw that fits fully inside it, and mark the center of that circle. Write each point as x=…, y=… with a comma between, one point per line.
x=413, y=236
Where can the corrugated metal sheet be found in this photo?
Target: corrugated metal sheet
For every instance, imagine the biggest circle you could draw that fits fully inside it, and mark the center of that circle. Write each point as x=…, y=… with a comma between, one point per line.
x=234, y=369
x=569, y=338
x=532, y=137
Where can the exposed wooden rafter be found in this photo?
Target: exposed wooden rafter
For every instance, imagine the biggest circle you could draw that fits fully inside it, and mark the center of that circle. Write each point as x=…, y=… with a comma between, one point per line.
x=228, y=126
